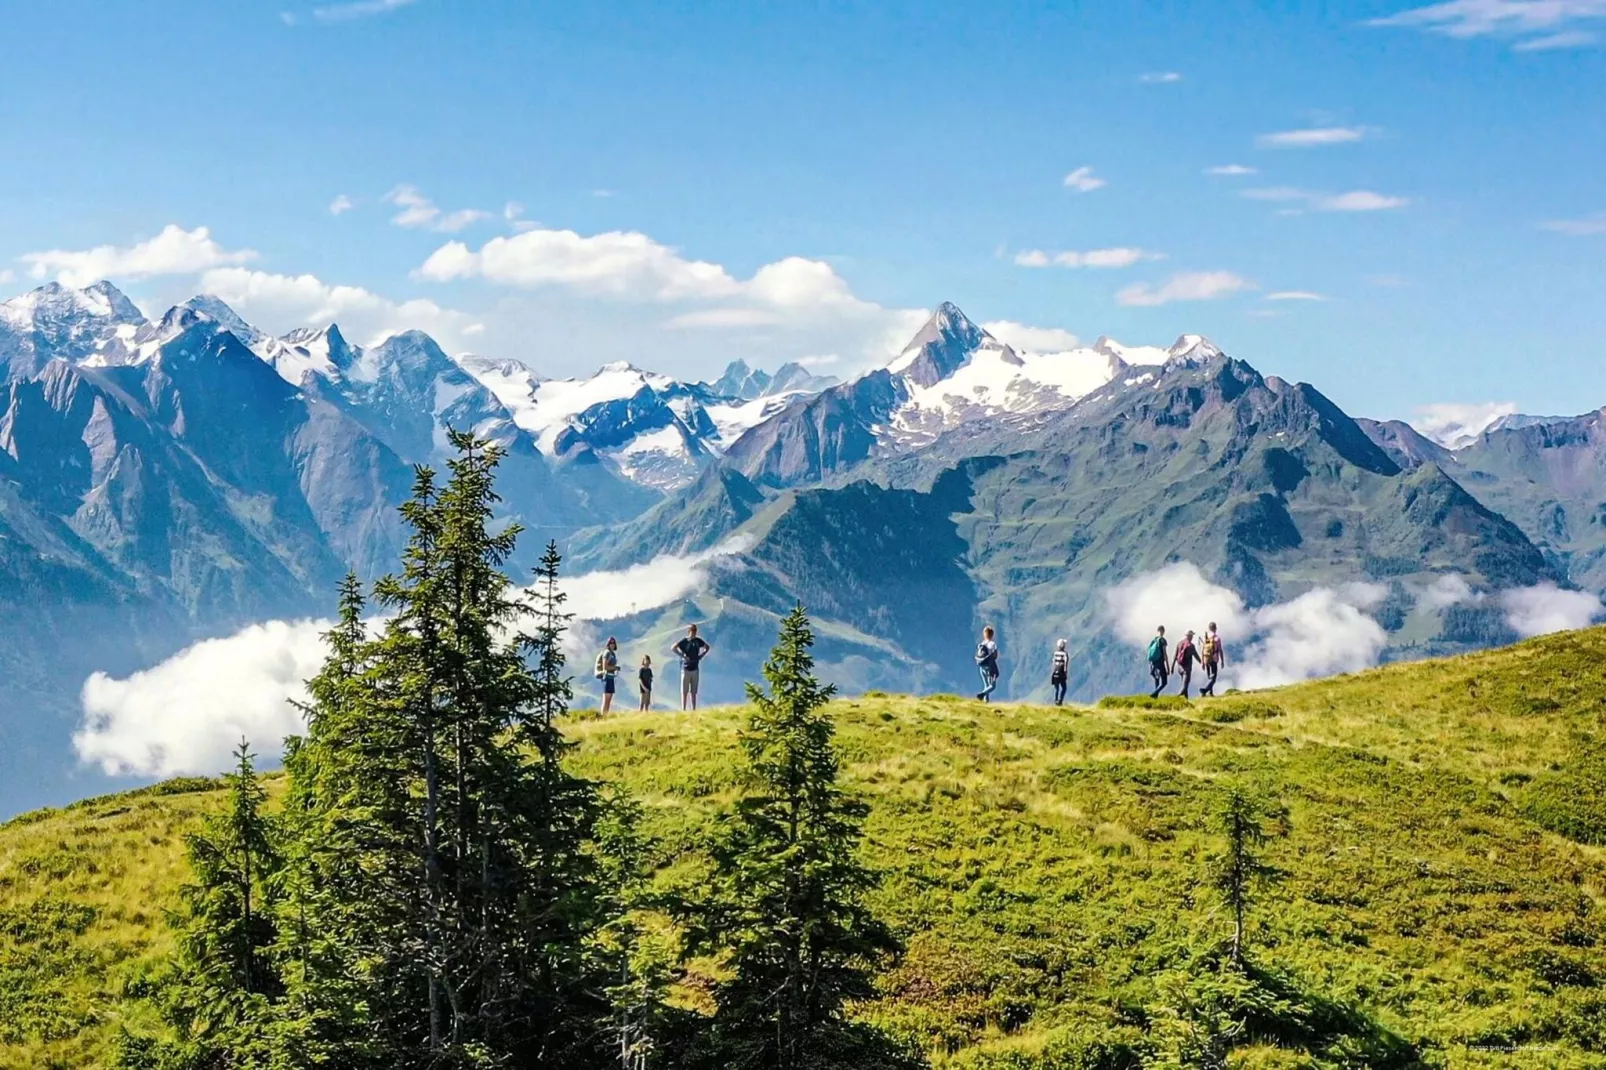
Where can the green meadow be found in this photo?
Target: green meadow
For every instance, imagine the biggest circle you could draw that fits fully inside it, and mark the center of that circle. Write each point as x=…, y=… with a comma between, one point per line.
x=1435, y=845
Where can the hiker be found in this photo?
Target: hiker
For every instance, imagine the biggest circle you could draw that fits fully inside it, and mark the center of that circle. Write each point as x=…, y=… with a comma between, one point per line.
x=1158, y=671
x=1060, y=673
x=1182, y=661
x=1213, y=655
x=987, y=663
x=691, y=651
x=607, y=670
x=645, y=679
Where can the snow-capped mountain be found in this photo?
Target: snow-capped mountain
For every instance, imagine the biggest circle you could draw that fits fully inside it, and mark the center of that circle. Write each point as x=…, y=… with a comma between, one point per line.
x=56, y=320
x=653, y=429
x=952, y=374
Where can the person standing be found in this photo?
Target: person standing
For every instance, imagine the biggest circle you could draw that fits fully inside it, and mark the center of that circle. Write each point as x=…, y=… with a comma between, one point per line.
x=1214, y=657
x=987, y=663
x=608, y=671
x=1059, y=673
x=644, y=678
x=1158, y=670
x=691, y=651
x=1184, y=659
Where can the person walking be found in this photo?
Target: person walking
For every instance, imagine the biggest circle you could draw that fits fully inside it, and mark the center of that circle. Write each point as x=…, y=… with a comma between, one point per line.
x=691, y=651
x=644, y=678
x=987, y=663
x=1158, y=670
x=1059, y=674
x=1183, y=660
x=608, y=671
x=1214, y=657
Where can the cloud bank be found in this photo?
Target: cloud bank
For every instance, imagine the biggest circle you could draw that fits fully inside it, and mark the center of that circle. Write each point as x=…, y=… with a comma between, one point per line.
x=1319, y=633
x=187, y=713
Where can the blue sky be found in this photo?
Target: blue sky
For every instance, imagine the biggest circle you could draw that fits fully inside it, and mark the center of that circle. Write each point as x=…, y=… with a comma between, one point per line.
x=678, y=185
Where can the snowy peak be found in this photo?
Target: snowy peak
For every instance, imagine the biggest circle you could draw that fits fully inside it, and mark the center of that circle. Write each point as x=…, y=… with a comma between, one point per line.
x=216, y=309
x=54, y=306
x=946, y=343
x=1193, y=347
x=741, y=381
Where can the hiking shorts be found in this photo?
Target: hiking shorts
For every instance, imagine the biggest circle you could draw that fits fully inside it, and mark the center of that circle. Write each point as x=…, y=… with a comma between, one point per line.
x=607, y=685
x=688, y=682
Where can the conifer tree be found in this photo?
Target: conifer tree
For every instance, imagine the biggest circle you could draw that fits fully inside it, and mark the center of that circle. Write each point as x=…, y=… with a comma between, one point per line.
x=452, y=898
x=221, y=999
x=791, y=910
x=1239, y=867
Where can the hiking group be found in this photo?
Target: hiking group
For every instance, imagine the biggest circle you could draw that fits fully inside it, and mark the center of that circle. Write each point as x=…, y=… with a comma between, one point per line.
x=1059, y=674
x=691, y=650
x=1208, y=652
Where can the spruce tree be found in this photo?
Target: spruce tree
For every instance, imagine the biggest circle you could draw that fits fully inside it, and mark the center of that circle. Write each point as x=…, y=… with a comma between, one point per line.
x=1239, y=867
x=220, y=1001
x=451, y=898
x=791, y=911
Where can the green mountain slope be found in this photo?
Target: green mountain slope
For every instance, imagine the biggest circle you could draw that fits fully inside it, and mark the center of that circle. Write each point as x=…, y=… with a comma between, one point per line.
x=1265, y=485
x=1045, y=865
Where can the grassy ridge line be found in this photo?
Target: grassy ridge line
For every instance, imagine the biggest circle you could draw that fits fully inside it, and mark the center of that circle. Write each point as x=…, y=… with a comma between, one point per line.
x=1045, y=863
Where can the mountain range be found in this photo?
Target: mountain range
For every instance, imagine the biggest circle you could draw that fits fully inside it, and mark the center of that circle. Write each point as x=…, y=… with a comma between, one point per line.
x=166, y=480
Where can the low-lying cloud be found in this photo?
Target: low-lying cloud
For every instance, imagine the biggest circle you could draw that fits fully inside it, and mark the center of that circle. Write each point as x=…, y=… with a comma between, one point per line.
x=1321, y=632
x=1528, y=611
x=187, y=713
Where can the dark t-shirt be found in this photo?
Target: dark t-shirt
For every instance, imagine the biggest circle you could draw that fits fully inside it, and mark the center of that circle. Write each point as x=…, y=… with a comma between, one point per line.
x=646, y=677
x=691, y=650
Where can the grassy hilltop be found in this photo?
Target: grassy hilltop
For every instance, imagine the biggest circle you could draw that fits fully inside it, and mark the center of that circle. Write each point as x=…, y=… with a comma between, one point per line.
x=1438, y=862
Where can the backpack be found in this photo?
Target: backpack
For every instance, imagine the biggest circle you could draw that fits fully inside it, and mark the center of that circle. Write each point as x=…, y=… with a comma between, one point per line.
x=986, y=658
x=1156, y=648
x=600, y=671
x=1062, y=665
x=1207, y=649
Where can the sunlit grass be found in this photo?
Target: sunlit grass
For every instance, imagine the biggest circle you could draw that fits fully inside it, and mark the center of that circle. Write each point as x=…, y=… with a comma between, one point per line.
x=1043, y=864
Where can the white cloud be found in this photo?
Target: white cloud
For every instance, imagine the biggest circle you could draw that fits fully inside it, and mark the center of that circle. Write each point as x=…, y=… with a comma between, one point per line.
x=1360, y=200
x=1535, y=25
x=175, y=251
x=793, y=292
x=1117, y=257
x=722, y=318
x=1546, y=608
x=1322, y=135
x=1319, y=633
x=340, y=204
x=1160, y=77
x=1187, y=286
x=1528, y=611
x=1578, y=228
x=1028, y=339
x=187, y=713
x=619, y=263
x=357, y=9
x=1455, y=424
x=305, y=300
x=1230, y=170
x=1451, y=589
x=1554, y=41
x=1082, y=180
x=7, y=276
x=418, y=212
x=818, y=360
x=1294, y=295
